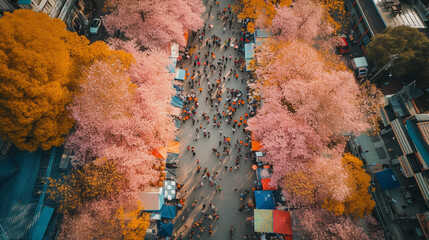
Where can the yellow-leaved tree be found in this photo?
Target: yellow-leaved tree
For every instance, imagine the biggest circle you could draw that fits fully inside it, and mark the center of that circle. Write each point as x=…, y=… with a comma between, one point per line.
x=86, y=184
x=359, y=202
x=40, y=64
x=133, y=223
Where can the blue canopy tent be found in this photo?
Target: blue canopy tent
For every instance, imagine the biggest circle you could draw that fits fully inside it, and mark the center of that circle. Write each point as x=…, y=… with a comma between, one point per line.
x=165, y=229
x=180, y=75
x=176, y=102
x=264, y=200
x=387, y=179
x=168, y=211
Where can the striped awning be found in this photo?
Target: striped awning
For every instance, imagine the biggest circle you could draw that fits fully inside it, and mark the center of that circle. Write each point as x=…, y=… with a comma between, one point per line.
x=408, y=170
x=401, y=135
x=422, y=181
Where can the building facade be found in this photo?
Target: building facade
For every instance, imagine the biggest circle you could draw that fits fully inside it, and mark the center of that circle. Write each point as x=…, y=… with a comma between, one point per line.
x=398, y=161
x=70, y=11
x=371, y=17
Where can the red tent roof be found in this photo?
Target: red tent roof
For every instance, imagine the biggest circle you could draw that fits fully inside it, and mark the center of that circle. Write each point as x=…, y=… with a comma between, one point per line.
x=282, y=222
x=265, y=184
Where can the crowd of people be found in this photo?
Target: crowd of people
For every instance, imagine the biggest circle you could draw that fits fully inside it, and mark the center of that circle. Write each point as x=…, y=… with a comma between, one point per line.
x=211, y=108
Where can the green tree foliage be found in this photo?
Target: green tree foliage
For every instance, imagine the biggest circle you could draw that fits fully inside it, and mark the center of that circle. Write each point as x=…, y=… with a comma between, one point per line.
x=40, y=64
x=412, y=47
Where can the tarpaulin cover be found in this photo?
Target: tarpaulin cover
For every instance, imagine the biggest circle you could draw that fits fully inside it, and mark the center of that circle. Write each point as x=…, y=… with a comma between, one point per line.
x=256, y=146
x=282, y=222
x=263, y=220
x=170, y=190
x=172, y=157
x=172, y=67
x=152, y=200
x=249, y=66
x=173, y=147
x=165, y=229
x=248, y=50
x=180, y=74
x=174, y=50
x=168, y=211
x=387, y=179
x=260, y=33
x=265, y=184
x=160, y=153
x=176, y=101
x=264, y=199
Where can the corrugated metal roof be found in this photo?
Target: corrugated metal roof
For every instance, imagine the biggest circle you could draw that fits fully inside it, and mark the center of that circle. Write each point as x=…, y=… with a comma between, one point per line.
x=408, y=171
x=423, y=185
x=401, y=135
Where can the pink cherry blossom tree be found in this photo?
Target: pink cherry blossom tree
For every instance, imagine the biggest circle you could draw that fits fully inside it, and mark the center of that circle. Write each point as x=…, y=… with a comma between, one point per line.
x=315, y=91
x=120, y=119
x=288, y=143
x=302, y=20
x=155, y=23
x=317, y=223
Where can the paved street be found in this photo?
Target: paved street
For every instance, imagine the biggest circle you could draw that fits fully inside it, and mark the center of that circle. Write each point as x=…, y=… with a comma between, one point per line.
x=227, y=200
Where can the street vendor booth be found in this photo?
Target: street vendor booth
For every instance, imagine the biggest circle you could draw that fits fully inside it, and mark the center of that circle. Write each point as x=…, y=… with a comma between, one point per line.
x=180, y=75
x=176, y=102
x=264, y=200
x=152, y=199
x=273, y=221
x=168, y=211
x=256, y=145
x=173, y=147
x=249, y=52
x=160, y=153
x=170, y=190
x=165, y=229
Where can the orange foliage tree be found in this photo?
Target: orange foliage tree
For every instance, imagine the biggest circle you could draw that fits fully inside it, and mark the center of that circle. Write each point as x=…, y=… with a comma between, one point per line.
x=40, y=62
x=255, y=9
x=86, y=184
x=359, y=201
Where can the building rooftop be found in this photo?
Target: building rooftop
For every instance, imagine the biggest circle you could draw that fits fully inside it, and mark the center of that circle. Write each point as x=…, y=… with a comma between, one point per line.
x=408, y=17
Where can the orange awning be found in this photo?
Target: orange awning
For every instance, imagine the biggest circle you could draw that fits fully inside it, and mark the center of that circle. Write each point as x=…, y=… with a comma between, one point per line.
x=160, y=153
x=256, y=146
x=265, y=184
x=173, y=147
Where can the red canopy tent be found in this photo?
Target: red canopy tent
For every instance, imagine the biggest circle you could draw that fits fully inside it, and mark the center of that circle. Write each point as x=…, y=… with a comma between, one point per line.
x=282, y=222
x=265, y=184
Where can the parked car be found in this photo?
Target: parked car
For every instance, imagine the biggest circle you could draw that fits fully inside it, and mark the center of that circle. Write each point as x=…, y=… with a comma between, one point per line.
x=95, y=26
x=343, y=46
